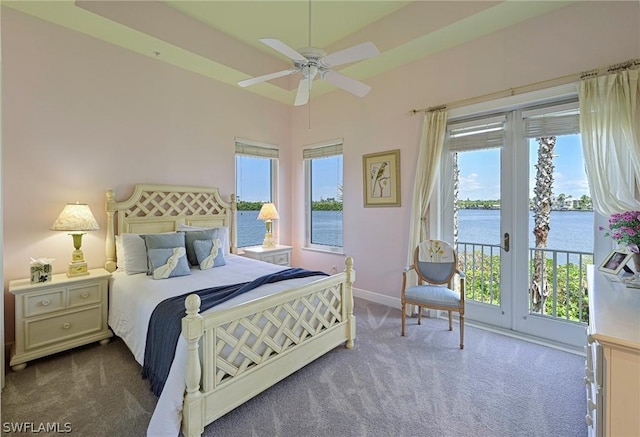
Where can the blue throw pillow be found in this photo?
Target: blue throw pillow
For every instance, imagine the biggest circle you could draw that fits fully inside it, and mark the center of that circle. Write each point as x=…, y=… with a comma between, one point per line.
x=209, y=253
x=161, y=241
x=192, y=236
x=167, y=263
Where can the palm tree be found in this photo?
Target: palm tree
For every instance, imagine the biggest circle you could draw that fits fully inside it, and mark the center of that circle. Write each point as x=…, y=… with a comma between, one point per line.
x=543, y=192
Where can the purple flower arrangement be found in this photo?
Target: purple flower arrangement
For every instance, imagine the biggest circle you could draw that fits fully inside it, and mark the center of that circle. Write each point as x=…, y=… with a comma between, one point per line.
x=624, y=228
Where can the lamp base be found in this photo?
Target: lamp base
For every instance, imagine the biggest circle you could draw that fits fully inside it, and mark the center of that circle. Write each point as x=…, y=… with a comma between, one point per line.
x=77, y=268
x=268, y=241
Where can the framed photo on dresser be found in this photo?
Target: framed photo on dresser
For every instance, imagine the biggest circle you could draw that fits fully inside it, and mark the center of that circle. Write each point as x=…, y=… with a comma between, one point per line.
x=615, y=261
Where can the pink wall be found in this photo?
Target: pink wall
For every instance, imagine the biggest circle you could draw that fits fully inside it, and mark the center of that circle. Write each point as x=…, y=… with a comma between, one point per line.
x=81, y=116
x=573, y=39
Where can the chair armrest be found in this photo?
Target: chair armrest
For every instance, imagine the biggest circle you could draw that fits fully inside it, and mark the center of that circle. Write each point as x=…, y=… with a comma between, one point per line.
x=407, y=269
x=460, y=273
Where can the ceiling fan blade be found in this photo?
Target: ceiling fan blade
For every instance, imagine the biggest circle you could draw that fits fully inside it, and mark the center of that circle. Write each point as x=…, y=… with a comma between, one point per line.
x=281, y=47
x=304, y=88
x=266, y=77
x=346, y=83
x=356, y=53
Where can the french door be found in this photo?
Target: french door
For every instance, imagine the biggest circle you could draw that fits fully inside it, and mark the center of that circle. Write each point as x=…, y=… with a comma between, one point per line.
x=500, y=184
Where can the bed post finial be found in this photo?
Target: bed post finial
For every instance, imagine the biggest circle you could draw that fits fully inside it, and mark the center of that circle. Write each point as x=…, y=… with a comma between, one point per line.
x=351, y=277
x=110, y=249
x=192, y=330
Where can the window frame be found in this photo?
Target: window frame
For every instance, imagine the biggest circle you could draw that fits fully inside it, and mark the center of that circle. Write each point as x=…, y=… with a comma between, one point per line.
x=259, y=150
x=310, y=152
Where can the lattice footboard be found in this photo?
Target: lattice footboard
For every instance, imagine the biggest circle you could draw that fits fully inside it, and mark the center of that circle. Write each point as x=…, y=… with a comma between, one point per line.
x=248, y=348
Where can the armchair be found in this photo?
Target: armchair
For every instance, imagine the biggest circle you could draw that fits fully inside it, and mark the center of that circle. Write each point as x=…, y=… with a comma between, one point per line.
x=436, y=265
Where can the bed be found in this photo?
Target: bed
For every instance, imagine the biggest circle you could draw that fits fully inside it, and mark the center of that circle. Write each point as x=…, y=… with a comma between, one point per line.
x=232, y=352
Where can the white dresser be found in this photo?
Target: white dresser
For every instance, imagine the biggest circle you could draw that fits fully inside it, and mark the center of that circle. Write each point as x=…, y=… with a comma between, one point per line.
x=280, y=255
x=58, y=315
x=612, y=374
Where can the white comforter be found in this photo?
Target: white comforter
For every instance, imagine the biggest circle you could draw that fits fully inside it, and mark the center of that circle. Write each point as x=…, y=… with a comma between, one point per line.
x=133, y=298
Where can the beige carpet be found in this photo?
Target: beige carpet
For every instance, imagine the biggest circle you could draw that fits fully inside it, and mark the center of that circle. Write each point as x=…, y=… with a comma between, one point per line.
x=420, y=385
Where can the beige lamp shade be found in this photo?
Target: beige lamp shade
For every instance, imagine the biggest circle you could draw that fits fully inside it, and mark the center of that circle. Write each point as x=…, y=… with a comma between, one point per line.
x=268, y=212
x=75, y=217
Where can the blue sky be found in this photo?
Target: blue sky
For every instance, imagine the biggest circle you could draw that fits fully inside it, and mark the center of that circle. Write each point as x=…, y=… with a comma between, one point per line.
x=253, y=183
x=480, y=171
x=479, y=174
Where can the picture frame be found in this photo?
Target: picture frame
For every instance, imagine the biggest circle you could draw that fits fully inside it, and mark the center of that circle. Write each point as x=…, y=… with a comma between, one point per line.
x=615, y=261
x=381, y=174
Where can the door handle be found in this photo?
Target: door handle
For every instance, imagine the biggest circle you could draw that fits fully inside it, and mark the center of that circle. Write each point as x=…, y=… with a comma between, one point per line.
x=505, y=242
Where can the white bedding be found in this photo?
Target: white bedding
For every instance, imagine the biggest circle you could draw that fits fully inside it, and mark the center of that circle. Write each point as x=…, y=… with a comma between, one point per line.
x=132, y=299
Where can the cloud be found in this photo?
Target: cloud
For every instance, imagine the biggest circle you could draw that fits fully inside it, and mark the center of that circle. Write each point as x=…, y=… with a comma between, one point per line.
x=472, y=187
x=470, y=183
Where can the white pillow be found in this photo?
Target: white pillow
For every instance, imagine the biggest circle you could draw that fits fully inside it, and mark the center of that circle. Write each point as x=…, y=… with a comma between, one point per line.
x=223, y=234
x=135, y=254
x=120, y=255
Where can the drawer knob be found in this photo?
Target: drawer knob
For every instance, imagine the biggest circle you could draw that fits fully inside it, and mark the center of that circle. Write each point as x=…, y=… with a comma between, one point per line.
x=66, y=325
x=46, y=302
x=85, y=295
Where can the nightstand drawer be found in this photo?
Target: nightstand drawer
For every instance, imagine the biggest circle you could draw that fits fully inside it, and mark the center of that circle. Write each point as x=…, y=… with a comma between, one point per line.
x=268, y=259
x=282, y=259
x=85, y=295
x=63, y=327
x=42, y=303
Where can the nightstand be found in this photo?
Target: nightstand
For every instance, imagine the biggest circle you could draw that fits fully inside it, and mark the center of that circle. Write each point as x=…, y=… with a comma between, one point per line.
x=280, y=255
x=58, y=315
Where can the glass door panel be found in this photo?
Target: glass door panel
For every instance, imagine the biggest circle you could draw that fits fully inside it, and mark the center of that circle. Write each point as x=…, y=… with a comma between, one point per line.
x=477, y=227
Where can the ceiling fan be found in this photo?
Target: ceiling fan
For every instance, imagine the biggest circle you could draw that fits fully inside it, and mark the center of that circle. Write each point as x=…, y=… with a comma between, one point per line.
x=312, y=61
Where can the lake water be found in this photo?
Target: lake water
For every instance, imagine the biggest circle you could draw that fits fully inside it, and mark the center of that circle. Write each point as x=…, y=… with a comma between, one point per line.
x=326, y=229
x=570, y=230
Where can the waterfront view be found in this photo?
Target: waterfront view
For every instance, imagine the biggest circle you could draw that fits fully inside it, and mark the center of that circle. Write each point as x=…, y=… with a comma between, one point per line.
x=570, y=230
x=327, y=228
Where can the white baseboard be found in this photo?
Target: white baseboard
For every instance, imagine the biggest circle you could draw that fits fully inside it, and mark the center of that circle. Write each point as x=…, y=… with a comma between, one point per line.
x=382, y=299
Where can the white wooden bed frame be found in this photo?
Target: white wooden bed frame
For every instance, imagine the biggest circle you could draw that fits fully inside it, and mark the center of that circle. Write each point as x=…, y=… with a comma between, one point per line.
x=321, y=311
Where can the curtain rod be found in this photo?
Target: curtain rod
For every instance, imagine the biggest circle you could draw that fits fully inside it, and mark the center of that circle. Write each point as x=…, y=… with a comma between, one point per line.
x=563, y=80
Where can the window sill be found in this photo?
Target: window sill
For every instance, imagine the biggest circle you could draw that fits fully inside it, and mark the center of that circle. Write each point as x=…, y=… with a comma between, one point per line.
x=332, y=251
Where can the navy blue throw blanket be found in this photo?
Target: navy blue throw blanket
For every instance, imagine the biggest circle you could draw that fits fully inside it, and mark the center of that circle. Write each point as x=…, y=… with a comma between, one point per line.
x=166, y=320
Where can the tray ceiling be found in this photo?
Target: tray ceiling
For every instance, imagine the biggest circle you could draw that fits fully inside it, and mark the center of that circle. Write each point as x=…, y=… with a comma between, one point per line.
x=220, y=39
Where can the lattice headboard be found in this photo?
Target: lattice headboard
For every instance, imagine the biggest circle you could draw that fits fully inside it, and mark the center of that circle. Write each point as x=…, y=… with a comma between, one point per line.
x=161, y=208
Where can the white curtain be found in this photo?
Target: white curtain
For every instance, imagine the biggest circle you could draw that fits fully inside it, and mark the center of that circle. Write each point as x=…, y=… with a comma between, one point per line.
x=610, y=129
x=431, y=145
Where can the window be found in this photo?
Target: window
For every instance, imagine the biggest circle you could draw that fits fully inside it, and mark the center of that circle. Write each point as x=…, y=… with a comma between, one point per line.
x=256, y=181
x=323, y=169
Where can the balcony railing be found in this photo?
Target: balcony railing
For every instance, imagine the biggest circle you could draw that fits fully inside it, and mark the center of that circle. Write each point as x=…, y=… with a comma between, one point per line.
x=564, y=273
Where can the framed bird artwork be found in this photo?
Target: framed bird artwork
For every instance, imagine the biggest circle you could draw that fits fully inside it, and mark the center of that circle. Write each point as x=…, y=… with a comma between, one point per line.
x=381, y=173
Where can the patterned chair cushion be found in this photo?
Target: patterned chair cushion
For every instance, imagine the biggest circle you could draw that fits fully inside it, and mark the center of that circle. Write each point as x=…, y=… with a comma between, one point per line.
x=435, y=251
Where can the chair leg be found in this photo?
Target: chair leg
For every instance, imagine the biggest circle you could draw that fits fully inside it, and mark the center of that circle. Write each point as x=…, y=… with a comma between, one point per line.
x=450, y=325
x=461, y=331
x=404, y=309
x=419, y=315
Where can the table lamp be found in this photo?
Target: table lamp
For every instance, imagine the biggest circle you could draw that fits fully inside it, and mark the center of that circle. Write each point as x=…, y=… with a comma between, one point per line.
x=76, y=217
x=268, y=213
